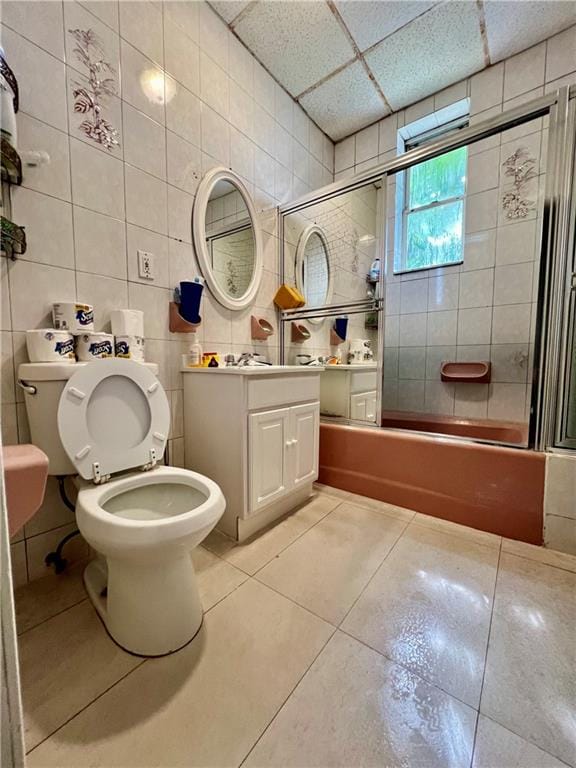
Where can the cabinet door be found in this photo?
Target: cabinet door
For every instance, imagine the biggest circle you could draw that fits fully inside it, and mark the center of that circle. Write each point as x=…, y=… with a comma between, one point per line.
x=303, y=451
x=269, y=438
x=363, y=406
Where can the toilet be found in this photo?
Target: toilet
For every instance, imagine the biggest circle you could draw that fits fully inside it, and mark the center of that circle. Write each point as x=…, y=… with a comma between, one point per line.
x=108, y=421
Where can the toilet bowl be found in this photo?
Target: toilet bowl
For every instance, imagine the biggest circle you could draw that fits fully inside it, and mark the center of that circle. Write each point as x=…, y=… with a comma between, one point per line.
x=113, y=417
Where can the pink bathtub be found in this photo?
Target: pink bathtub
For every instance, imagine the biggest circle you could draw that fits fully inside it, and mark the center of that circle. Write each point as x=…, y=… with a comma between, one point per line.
x=512, y=432
x=492, y=488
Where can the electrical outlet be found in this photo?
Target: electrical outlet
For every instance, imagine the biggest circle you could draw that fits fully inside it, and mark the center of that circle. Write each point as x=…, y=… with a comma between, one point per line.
x=146, y=265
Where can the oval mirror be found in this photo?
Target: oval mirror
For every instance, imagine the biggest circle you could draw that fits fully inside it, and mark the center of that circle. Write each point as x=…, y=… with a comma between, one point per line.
x=313, y=272
x=227, y=239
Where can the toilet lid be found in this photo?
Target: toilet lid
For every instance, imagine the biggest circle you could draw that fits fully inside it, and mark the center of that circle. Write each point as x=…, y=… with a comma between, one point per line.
x=113, y=416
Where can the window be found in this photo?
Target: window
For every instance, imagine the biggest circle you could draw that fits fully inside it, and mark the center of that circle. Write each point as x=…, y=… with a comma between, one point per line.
x=430, y=206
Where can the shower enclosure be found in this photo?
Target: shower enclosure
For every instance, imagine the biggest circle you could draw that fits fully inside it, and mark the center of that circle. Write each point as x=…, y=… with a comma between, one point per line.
x=452, y=268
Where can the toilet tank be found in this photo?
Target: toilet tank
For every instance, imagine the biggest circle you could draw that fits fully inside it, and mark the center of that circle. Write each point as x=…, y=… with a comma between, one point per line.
x=43, y=384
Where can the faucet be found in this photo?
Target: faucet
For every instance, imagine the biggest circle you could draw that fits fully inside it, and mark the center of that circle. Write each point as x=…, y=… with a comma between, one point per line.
x=249, y=358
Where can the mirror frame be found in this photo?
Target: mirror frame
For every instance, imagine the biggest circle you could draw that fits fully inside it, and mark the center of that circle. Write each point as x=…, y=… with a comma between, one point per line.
x=313, y=229
x=210, y=179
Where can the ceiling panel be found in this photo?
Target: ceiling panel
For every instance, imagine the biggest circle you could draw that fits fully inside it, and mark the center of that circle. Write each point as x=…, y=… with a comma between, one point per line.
x=369, y=21
x=345, y=103
x=299, y=42
x=229, y=9
x=432, y=52
x=512, y=26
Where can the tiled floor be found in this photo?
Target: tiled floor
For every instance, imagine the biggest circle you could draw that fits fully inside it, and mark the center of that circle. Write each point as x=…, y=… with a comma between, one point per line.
x=353, y=633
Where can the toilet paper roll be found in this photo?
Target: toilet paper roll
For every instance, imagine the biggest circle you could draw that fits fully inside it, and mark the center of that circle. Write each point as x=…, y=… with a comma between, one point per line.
x=94, y=346
x=48, y=345
x=76, y=318
x=130, y=348
x=127, y=322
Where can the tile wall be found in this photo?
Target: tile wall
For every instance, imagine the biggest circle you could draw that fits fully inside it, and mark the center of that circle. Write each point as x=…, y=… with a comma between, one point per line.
x=485, y=308
x=560, y=503
x=189, y=96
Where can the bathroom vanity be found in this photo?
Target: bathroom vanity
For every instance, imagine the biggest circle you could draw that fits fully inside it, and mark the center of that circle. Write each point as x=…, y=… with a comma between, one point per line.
x=349, y=391
x=254, y=430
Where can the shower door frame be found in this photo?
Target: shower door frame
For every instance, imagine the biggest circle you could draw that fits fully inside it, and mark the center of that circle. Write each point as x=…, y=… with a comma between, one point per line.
x=554, y=234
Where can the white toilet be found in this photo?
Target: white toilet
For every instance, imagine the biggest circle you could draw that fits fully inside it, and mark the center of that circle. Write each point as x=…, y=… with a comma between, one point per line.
x=113, y=416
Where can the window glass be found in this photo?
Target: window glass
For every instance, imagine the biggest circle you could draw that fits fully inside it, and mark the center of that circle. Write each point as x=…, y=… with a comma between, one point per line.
x=434, y=236
x=438, y=179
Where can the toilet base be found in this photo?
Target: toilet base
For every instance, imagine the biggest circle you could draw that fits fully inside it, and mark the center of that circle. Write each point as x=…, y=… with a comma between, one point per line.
x=149, y=609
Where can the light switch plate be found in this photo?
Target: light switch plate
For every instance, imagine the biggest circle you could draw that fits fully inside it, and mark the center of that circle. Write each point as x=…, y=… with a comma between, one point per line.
x=146, y=265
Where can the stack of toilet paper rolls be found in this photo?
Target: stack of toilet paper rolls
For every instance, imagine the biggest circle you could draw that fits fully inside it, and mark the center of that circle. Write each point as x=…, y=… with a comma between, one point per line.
x=73, y=336
x=128, y=330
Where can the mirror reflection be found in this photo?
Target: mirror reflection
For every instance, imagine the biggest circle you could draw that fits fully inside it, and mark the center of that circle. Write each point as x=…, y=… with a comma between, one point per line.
x=313, y=267
x=230, y=241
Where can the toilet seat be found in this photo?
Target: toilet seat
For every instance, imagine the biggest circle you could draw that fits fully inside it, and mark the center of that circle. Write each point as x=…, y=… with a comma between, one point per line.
x=99, y=524
x=113, y=416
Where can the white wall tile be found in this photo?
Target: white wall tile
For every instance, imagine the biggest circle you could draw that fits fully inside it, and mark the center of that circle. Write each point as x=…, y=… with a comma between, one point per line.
x=560, y=486
x=344, y=154
x=560, y=534
x=180, y=214
x=213, y=36
x=516, y=243
x=242, y=65
x=48, y=223
x=45, y=97
x=476, y=288
x=483, y=171
x=146, y=146
x=44, y=27
x=486, y=88
x=183, y=114
x=443, y=292
x=513, y=283
x=184, y=164
x=561, y=54
x=146, y=201
x=97, y=180
x=412, y=363
x=471, y=400
x=184, y=15
x=366, y=144
x=413, y=330
x=141, y=25
x=511, y=324
x=474, y=325
x=442, y=328
x=413, y=296
x=143, y=82
x=214, y=86
x=506, y=402
x=35, y=287
x=215, y=135
x=53, y=178
x=182, y=57
x=479, y=250
x=481, y=211
x=439, y=397
x=524, y=71
x=100, y=243
x=105, y=293
x=105, y=10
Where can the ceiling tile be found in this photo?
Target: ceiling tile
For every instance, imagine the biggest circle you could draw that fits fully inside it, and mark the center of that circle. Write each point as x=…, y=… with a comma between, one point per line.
x=371, y=20
x=432, y=52
x=228, y=9
x=511, y=26
x=299, y=42
x=344, y=103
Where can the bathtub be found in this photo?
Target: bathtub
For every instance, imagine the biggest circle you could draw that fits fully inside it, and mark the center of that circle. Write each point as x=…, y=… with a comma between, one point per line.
x=510, y=432
x=488, y=487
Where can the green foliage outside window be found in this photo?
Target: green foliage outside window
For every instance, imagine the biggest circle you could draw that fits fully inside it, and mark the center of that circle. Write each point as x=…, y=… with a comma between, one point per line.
x=435, y=211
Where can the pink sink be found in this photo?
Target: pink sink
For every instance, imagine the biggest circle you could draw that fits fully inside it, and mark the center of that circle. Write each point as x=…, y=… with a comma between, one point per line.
x=25, y=473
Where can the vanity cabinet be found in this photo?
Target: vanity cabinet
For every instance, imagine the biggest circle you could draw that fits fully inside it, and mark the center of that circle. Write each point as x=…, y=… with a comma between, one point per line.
x=255, y=432
x=349, y=391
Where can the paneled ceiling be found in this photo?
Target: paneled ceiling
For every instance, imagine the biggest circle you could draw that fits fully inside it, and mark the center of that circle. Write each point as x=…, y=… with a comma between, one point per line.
x=351, y=62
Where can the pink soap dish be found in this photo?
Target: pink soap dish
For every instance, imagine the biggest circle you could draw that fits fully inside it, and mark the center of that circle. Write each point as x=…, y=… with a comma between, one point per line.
x=473, y=373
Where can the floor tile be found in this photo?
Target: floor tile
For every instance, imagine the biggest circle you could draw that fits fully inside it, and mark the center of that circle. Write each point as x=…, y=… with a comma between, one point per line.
x=356, y=708
x=255, y=553
x=530, y=681
x=329, y=566
x=42, y=598
x=331, y=490
x=496, y=747
x=204, y=705
x=65, y=663
x=428, y=607
x=454, y=529
x=382, y=506
x=540, y=554
x=216, y=578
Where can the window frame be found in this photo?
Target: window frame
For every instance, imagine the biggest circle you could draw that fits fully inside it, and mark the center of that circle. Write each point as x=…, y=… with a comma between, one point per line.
x=400, y=253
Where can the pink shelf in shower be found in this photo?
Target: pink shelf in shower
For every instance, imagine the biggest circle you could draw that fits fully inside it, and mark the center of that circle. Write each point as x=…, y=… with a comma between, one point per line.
x=474, y=373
